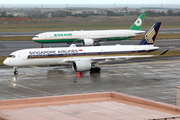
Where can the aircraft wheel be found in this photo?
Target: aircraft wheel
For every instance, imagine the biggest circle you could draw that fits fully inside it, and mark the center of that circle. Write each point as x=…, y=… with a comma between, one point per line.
x=92, y=70
x=15, y=72
x=95, y=70
x=98, y=70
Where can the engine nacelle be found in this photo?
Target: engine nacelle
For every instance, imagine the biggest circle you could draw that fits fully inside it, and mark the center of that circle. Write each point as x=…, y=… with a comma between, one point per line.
x=87, y=41
x=81, y=66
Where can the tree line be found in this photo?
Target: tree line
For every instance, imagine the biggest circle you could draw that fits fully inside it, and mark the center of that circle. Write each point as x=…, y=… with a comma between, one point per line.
x=60, y=13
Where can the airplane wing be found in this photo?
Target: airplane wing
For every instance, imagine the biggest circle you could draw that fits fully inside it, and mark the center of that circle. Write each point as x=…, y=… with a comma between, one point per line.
x=104, y=59
x=111, y=58
x=116, y=58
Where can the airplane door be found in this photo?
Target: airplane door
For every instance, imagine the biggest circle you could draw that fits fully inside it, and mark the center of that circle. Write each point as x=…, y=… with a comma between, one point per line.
x=102, y=52
x=24, y=56
x=135, y=51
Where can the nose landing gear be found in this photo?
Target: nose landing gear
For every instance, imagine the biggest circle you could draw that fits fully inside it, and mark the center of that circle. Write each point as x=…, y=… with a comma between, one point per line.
x=15, y=70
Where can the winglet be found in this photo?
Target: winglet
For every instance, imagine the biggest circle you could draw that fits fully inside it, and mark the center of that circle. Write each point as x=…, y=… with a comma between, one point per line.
x=163, y=52
x=73, y=44
x=150, y=37
x=138, y=23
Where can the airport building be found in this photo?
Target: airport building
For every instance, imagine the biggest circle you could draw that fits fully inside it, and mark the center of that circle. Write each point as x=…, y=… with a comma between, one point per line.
x=92, y=106
x=155, y=9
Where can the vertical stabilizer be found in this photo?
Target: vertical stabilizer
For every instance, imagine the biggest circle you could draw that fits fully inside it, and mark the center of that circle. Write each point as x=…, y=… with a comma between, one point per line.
x=73, y=44
x=138, y=23
x=150, y=37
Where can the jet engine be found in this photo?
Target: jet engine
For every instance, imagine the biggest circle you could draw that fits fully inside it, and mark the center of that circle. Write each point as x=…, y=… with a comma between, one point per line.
x=88, y=41
x=81, y=66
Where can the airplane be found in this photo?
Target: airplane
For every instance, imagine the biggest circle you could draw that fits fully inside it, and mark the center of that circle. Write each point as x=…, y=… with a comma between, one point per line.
x=84, y=58
x=91, y=37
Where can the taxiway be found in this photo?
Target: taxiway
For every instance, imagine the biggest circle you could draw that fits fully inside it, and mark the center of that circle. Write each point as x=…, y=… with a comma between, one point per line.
x=155, y=80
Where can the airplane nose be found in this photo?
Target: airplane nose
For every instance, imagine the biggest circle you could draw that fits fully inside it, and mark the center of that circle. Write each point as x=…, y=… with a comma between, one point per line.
x=6, y=62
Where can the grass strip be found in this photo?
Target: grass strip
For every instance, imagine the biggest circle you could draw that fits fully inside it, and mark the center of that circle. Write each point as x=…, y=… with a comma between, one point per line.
x=59, y=26
x=2, y=58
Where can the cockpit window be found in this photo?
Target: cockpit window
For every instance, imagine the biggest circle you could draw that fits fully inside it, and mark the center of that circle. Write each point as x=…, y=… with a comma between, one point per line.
x=36, y=36
x=11, y=56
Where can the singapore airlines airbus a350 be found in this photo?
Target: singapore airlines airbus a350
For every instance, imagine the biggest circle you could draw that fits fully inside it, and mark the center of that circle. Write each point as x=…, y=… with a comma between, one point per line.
x=91, y=37
x=83, y=58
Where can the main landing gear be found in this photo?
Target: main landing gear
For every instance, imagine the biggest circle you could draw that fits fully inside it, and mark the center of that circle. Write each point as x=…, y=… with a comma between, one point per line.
x=95, y=70
x=15, y=70
x=97, y=44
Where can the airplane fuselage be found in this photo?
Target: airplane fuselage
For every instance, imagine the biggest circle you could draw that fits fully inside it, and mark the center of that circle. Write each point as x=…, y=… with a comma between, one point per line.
x=88, y=36
x=55, y=56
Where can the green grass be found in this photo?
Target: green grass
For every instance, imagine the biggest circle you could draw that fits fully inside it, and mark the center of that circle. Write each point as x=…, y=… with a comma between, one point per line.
x=16, y=38
x=169, y=53
x=2, y=58
x=58, y=26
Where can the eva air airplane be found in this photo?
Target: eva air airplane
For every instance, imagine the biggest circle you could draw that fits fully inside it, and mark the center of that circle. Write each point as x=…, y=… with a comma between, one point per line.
x=84, y=58
x=91, y=37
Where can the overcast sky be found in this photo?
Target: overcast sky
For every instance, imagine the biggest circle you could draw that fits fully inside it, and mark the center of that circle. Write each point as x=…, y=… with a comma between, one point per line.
x=90, y=1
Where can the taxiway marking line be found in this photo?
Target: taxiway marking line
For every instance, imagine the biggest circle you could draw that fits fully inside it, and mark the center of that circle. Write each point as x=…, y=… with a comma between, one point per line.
x=29, y=88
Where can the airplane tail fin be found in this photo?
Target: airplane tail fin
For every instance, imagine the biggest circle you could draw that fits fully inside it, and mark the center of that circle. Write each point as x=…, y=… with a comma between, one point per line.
x=138, y=23
x=150, y=37
x=73, y=44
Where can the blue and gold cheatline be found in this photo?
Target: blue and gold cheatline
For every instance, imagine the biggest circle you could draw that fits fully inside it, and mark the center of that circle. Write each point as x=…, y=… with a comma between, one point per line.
x=89, y=54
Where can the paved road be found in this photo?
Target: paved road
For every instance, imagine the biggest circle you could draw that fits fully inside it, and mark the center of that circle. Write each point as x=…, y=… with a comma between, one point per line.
x=33, y=33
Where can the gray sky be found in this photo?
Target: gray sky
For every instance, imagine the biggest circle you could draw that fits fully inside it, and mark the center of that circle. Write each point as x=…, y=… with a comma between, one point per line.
x=90, y=1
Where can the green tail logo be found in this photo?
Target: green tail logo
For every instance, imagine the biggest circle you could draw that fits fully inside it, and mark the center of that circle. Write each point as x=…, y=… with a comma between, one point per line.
x=138, y=23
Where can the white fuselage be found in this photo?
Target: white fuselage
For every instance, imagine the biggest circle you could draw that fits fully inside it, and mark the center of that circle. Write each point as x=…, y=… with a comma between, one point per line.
x=55, y=56
x=95, y=35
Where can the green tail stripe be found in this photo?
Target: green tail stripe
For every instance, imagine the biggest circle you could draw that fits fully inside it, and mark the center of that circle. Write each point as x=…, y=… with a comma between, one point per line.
x=138, y=23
